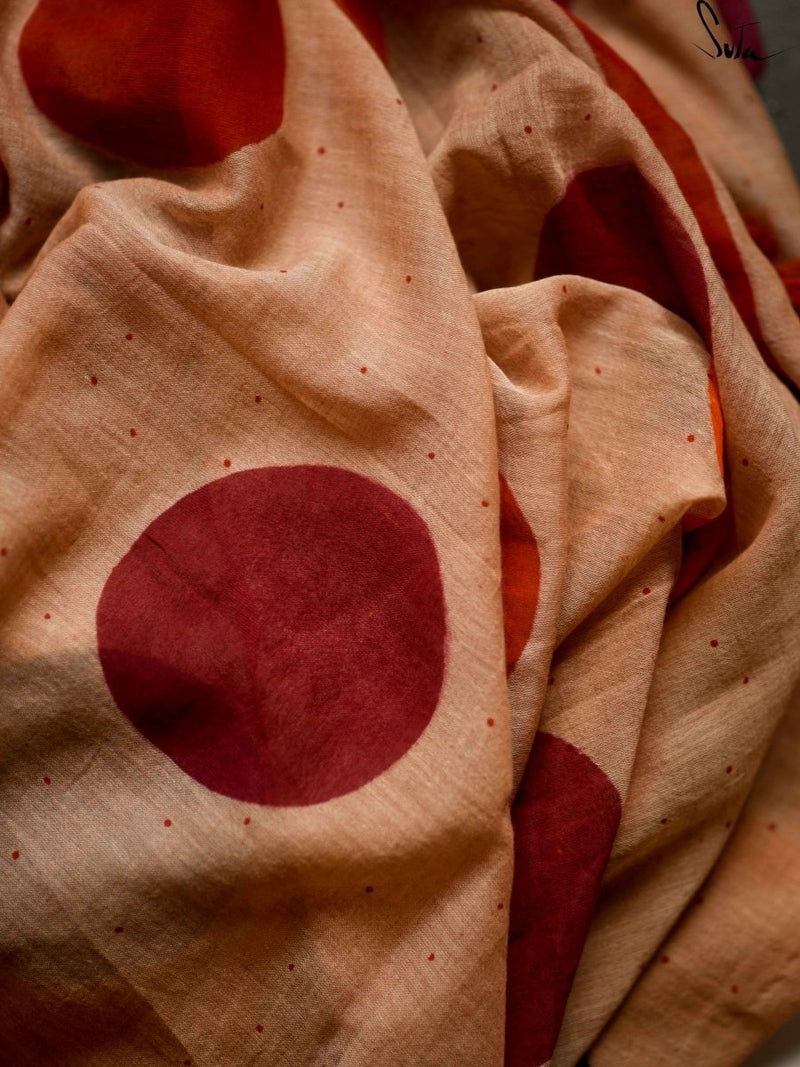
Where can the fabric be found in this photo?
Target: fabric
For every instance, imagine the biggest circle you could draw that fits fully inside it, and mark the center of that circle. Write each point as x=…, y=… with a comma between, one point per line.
x=399, y=537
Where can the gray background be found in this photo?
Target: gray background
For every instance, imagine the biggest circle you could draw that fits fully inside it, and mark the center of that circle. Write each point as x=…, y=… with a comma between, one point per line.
x=780, y=83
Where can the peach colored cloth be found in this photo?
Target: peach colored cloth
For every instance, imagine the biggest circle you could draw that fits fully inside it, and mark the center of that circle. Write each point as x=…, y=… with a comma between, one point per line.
x=399, y=546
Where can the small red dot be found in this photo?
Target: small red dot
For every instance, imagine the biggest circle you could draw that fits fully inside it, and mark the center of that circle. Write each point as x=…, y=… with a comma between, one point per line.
x=528, y=129
x=661, y=518
x=133, y=432
x=479, y=39
x=3, y=551
x=257, y=399
x=321, y=150
x=663, y=822
x=490, y=722
x=563, y=288
x=500, y=906
x=728, y=824
x=734, y=989
x=432, y=956
x=494, y=87
x=47, y=614
x=399, y=101
x=690, y=437
x=260, y=207
x=259, y=1029
x=665, y=959
x=772, y=826
x=745, y=680
x=745, y=462
x=118, y=930
x=226, y=463
x=714, y=642
x=340, y=204
x=281, y=271
x=597, y=370
x=408, y=277
x=369, y=889
x=363, y=370
x=15, y=855
x=586, y=117
x=128, y=336
x=246, y=820
x=646, y=591
x=291, y=966
x=431, y=455
x=46, y=780
x=484, y=503
x=93, y=379
x=168, y=822
x=728, y=769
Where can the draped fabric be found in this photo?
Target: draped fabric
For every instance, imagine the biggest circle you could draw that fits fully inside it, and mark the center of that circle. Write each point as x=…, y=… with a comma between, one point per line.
x=399, y=544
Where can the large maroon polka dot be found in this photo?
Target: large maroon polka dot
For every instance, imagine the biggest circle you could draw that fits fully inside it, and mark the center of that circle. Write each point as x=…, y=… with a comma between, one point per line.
x=163, y=84
x=565, y=817
x=279, y=633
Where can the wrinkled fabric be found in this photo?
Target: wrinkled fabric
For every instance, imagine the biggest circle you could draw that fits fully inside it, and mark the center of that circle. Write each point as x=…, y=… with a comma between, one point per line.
x=399, y=537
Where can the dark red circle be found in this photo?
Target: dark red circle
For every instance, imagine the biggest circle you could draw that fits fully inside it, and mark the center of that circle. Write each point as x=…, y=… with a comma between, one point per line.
x=176, y=84
x=279, y=633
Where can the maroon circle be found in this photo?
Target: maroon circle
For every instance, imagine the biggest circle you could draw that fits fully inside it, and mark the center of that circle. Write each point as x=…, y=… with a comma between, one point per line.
x=279, y=633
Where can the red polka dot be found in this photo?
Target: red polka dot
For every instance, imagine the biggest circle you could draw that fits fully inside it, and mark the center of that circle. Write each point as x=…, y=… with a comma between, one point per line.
x=484, y=503
x=646, y=591
x=690, y=437
x=431, y=455
x=246, y=820
x=494, y=87
x=520, y=573
x=563, y=288
x=664, y=822
x=47, y=614
x=321, y=150
x=93, y=379
x=500, y=906
x=728, y=769
x=745, y=462
x=128, y=336
x=661, y=518
x=363, y=370
x=340, y=204
x=3, y=551
x=745, y=680
x=714, y=643
x=586, y=117
x=132, y=432
x=329, y=632
x=259, y=1029
x=118, y=930
x=558, y=865
x=282, y=271
x=160, y=84
x=260, y=207
x=399, y=101
x=597, y=370
x=432, y=956
x=226, y=463
x=665, y=959
x=257, y=399
x=15, y=855
x=291, y=966
x=528, y=129
x=369, y=889
x=168, y=822
x=46, y=780
x=408, y=277
x=490, y=722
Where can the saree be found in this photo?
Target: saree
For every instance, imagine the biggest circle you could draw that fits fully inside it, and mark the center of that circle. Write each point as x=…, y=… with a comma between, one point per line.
x=399, y=544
